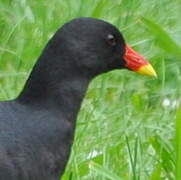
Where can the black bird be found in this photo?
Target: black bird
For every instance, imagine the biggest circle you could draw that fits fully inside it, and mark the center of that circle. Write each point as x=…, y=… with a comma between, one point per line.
x=37, y=128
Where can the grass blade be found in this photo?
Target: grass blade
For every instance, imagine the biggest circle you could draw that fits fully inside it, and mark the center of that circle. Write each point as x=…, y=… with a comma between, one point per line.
x=156, y=175
x=178, y=144
x=99, y=8
x=163, y=39
x=133, y=156
x=104, y=172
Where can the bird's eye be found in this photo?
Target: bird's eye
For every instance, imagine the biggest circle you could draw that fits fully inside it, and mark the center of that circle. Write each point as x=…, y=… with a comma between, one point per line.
x=111, y=40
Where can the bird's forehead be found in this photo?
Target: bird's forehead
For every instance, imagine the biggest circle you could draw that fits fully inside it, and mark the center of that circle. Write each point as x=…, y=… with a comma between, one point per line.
x=91, y=25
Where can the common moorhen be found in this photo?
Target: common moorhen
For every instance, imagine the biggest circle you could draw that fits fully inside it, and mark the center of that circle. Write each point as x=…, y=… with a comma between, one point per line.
x=37, y=128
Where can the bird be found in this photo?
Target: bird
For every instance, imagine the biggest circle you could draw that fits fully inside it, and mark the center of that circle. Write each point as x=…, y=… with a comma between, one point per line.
x=37, y=127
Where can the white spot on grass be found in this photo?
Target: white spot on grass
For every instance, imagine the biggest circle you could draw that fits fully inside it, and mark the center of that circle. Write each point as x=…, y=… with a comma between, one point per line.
x=93, y=154
x=166, y=102
x=173, y=104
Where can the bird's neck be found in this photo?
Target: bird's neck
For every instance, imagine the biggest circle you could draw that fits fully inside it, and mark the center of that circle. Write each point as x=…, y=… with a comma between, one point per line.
x=62, y=90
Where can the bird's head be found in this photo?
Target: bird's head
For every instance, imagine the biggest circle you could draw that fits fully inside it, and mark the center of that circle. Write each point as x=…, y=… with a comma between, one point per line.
x=94, y=46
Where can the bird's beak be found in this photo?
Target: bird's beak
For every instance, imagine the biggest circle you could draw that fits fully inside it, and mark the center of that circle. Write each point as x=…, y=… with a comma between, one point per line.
x=137, y=63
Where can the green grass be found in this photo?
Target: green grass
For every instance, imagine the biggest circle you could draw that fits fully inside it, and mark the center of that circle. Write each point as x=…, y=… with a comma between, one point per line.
x=126, y=127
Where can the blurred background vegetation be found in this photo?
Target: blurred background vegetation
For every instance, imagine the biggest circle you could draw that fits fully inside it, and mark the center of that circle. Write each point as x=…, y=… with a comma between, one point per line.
x=126, y=127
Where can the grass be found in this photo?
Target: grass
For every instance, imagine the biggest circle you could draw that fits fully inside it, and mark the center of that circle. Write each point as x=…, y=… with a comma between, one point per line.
x=126, y=127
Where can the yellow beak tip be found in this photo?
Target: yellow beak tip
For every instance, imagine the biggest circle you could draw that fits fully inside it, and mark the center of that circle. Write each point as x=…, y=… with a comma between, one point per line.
x=147, y=70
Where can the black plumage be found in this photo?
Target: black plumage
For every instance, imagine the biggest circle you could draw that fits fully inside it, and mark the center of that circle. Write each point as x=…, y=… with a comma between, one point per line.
x=37, y=128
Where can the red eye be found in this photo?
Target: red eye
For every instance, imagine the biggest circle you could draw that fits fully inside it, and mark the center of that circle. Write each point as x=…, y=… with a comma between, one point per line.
x=111, y=40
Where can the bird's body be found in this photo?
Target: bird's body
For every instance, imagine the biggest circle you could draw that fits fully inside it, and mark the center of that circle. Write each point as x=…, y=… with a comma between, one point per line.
x=36, y=138
x=37, y=128
x=35, y=143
